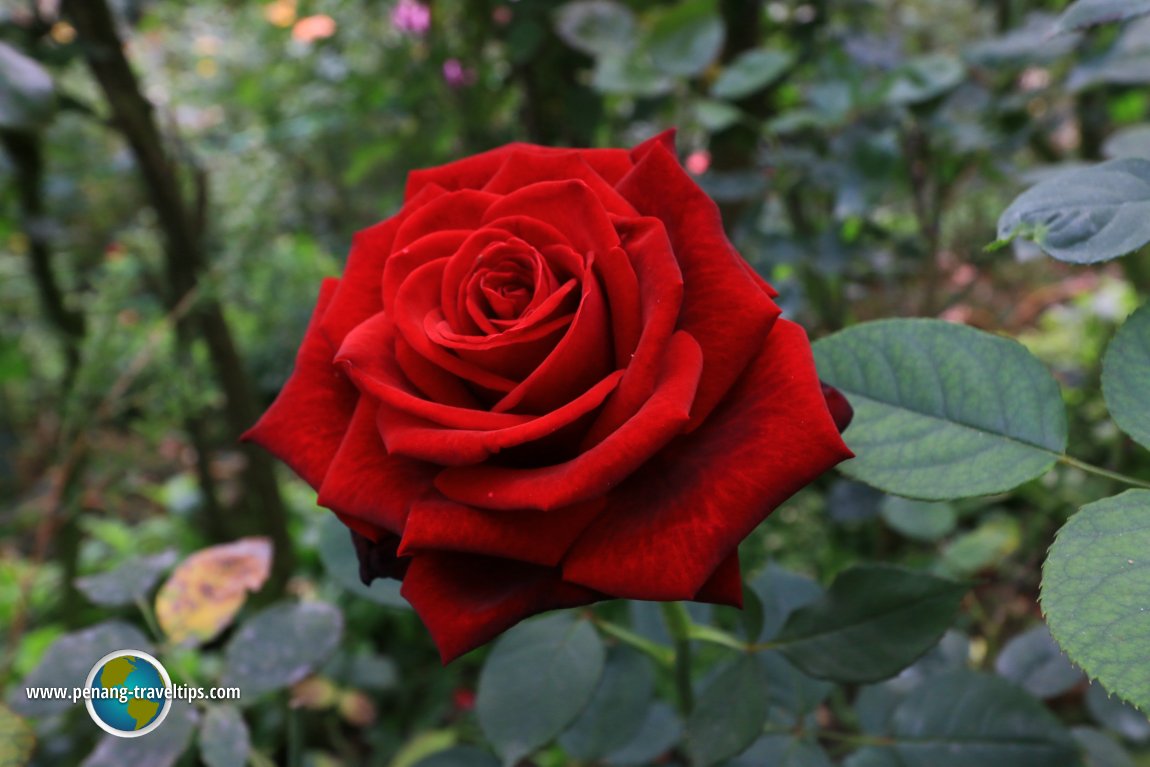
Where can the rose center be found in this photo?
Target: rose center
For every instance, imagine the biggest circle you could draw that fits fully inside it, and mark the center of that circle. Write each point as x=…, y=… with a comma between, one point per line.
x=509, y=279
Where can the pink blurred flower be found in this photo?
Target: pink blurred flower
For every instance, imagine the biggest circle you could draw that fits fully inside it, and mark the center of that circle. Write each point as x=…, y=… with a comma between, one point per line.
x=312, y=28
x=698, y=162
x=456, y=74
x=411, y=17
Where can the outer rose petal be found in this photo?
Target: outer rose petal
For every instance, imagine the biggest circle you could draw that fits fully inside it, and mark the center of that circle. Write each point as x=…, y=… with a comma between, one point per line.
x=363, y=481
x=718, y=283
x=596, y=471
x=437, y=524
x=671, y=524
x=305, y=425
x=524, y=168
x=474, y=172
x=467, y=600
x=725, y=586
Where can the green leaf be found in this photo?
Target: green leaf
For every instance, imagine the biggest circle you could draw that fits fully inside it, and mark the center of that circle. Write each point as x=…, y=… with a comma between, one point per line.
x=997, y=537
x=630, y=74
x=874, y=622
x=460, y=756
x=68, y=660
x=160, y=748
x=224, y=738
x=943, y=411
x=1101, y=750
x=1087, y=215
x=716, y=115
x=280, y=646
x=130, y=581
x=921, y=520
x=752, y=71
x=660, y=731
x=685, y=38
x=538, y=678
x=1088, y=13
x=338, y=556
x=1126, y=376
x=781, y=592
x=27, y=96
x=596, y=27
x=925, y=78
x=791, y=694
x=729, y=714
x=1035, y=662
x=617, y=709
x=1029, y=44
x=964, y=718
x=782, y=751
x=1117, y=715
x=1128, y=142
x=1095, y=592
x=17, y=739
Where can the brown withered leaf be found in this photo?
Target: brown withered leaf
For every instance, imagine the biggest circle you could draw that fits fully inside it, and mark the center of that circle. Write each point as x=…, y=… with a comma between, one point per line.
x=206, y=590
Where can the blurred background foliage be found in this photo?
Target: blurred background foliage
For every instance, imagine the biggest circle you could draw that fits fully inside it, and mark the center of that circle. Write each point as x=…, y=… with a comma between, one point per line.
x=156, y=282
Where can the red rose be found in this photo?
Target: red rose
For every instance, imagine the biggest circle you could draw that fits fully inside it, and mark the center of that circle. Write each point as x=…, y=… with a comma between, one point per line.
x=549, y=380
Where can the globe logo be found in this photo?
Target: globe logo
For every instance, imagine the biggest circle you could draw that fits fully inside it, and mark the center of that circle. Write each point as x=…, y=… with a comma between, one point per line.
x=127, y=693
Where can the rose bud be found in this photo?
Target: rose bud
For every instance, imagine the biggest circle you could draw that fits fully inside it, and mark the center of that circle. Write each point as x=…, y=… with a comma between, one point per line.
x=548, y=380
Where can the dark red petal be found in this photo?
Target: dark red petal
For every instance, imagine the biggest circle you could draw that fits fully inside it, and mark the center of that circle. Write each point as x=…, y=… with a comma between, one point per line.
x=417, y=299
x=437, y=524
x=617, y=275
x=358, y=296
x=437, y=246
x=409, y=435
x=452, y=210
x=671, y=524
x=594, y=472
x=524, y=168
x=569, y=206
x=725, y=586
x=370, y=363
x=581, y=357
x=475, y=171
x=719, y=289
x=467, y=600
x=305, y=425
x=467, y=173
x=660, y=287
x=363, y=481
x=841, y=410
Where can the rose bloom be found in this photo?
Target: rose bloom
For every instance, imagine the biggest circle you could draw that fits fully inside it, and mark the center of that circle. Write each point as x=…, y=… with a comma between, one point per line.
x=549, y=380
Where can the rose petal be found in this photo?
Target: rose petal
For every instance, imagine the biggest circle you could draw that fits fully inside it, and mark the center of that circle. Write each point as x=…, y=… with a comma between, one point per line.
x=718, y=285
x=467, y=600
x=438, y=524
x=405, y=434
x=475, y=171
x=725, y=586
x=669, y=527
x=366, y=356
x=524, y=168
x=660, y=285
x=364, y=481
x=461, y=210
x=358, y=296
x=569, y=205
x=594, y=472
x=437, y=246
x=306, y=423
x=417, y=297
x=581, y=357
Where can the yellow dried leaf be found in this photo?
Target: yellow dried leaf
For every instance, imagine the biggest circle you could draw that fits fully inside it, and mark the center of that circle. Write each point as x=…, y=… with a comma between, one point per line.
x=206, y=590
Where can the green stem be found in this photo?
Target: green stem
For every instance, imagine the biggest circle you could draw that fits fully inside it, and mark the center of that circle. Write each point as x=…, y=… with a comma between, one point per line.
x=1101, y=472
x=664, y=656
x=679, y=624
